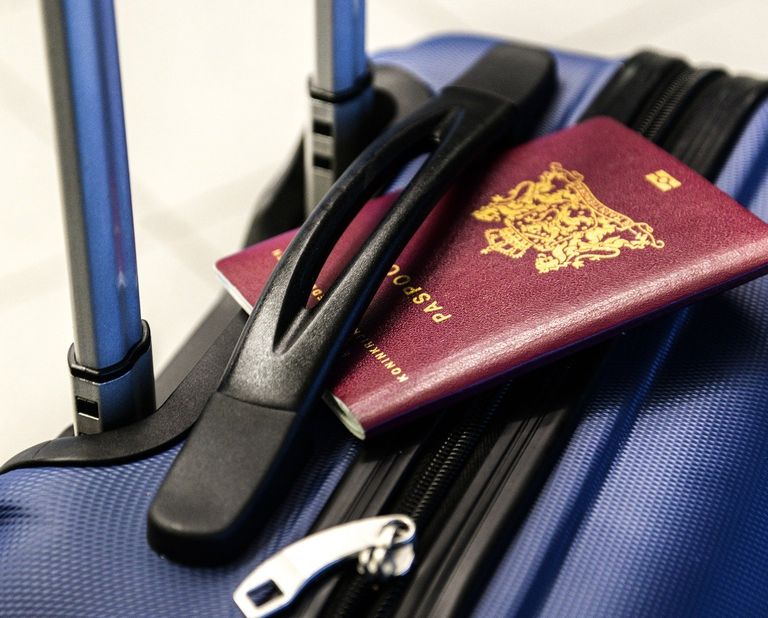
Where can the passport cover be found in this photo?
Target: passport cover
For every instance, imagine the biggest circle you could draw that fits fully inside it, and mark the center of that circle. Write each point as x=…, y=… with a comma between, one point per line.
x=547, y=247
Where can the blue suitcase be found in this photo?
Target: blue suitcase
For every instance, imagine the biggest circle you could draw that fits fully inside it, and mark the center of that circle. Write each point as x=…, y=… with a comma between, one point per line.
x=652, y=504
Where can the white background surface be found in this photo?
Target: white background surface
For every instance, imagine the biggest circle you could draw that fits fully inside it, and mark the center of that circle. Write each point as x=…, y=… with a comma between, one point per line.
x=214, y=100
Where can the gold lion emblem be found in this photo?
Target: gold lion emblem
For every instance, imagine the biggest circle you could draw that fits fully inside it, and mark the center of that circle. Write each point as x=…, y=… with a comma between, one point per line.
x=560, y=218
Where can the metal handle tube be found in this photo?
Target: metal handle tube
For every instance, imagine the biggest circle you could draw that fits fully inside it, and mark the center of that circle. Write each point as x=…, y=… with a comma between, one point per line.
x=111, y=357
x=341, y=96
x=340, y=38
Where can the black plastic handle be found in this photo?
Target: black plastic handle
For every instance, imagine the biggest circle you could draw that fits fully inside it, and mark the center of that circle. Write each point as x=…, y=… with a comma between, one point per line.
x=238, y=459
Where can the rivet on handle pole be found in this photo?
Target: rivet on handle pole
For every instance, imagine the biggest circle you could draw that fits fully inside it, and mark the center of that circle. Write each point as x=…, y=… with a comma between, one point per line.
x=111, y=358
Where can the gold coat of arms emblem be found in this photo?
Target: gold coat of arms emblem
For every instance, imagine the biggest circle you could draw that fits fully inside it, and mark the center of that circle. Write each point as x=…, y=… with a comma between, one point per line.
x=559, y=217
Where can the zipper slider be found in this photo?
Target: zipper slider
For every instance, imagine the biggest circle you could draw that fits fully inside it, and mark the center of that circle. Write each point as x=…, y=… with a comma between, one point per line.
x=383, y=546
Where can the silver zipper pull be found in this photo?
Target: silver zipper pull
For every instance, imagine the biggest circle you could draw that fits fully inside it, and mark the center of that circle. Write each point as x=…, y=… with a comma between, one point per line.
x=383, y=546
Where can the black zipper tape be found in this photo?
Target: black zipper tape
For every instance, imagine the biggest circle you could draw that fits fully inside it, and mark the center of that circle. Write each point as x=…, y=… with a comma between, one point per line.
x=479, y=526
x=661, y=113
x=708, y=128
x=427, y=496
x=640, y=82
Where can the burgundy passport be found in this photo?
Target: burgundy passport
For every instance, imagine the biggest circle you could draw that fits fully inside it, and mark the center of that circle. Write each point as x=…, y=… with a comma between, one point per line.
x=550, y=245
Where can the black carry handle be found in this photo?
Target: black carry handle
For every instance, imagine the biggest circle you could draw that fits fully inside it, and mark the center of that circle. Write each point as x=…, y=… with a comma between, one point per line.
x=237, y=460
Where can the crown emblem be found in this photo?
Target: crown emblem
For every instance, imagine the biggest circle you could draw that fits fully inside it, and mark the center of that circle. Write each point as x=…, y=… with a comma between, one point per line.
x=560, y=218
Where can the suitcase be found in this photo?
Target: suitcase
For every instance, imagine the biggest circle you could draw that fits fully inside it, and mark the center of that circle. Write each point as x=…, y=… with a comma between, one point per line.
x=626, y=479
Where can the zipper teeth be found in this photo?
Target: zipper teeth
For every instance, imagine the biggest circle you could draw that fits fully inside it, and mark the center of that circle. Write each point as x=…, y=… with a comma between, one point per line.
x=442, y=470
x=423, y=497
x=726, y=104
x=420, y=500
x=389, y=602
x=701, y=144
x=701, y=141
x=664, y=105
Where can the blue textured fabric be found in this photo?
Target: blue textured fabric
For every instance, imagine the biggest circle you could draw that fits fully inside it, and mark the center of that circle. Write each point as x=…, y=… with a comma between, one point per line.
x=659, y=505
x=72, y=540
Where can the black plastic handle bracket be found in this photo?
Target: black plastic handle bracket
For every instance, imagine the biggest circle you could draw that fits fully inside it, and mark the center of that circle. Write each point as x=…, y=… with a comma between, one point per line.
x=237, y=461
x=228, y=429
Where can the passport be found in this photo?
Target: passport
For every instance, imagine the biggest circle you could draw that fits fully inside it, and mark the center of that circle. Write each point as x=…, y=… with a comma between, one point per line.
x=540, y=250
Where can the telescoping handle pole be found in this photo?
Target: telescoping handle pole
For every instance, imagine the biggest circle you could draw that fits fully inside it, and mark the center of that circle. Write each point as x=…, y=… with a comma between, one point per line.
x=111, y=358
x=341, y=95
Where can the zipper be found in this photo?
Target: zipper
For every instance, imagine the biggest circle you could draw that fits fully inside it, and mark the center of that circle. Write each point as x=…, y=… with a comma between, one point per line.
x=383, y=547
x=694, y=114
x=707, y=129
x=484, y=463
x=425, y=495
x=649, y=93
x=660, y=114
x=652, y=114
x=638, y=83
x=495, y=503
x=504, y=441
